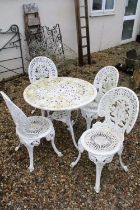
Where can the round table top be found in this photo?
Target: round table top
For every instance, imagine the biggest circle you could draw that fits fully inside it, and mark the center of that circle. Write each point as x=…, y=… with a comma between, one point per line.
x=59, y=94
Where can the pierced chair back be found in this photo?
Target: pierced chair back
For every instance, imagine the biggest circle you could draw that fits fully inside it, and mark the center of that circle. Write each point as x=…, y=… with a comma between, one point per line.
x=17, y=114
x=120, y=107
x=105, y=79
x=41, y=67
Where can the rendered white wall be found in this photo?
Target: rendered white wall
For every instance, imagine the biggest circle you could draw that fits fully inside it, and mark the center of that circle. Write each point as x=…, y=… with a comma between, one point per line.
x=105, y=31
x=50, y=11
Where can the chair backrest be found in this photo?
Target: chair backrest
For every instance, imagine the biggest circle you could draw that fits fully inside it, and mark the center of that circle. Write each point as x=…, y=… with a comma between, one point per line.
x=41, y=67
x=120, y=107
x=17, y=114
x=106, y=79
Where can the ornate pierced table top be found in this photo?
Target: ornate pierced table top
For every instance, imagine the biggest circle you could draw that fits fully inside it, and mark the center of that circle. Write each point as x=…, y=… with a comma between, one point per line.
x=61, y=93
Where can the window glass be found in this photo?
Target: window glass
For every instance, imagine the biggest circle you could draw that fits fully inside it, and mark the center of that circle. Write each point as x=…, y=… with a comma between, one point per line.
x=109, y=4
x=131, y=7
x=127, y=29
x=97, y=5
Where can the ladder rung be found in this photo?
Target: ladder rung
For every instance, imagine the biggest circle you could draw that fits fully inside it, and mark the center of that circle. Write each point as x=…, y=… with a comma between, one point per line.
x=84, y=37
x=83, y=6
x=83, y=17
x=84, y=46
x=86, y=55
x=83, y=26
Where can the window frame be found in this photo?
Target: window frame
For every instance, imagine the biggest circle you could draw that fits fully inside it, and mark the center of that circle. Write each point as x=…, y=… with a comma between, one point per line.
x=103, y=11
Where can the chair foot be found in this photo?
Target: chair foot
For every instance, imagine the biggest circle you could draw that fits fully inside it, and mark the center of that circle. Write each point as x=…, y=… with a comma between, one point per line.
x=72, y=122
x=33, y=111
x=97, y=189
x=125, y=168
x=31, y=169
x=55, y=149
x=74, y=163
x=17, y=148
x=59, y=154
x=30, y=152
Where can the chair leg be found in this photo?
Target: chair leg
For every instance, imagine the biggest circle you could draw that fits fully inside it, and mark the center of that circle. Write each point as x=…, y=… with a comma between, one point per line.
x=50, y=137
x=77, y=115
x=55, y=149
x=30, y=152
x=88, y=118
x=99, y=167
x=42, y=113
x=74, y=163
x=70, y=127
x=88, y=122
x=32, y=112
x=120, y=159
x=48, y=113
x=17, y=147
x=99, y=161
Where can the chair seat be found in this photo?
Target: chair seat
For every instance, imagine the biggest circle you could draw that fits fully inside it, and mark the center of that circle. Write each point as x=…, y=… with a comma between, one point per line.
x=37, y=127
x=100, y=141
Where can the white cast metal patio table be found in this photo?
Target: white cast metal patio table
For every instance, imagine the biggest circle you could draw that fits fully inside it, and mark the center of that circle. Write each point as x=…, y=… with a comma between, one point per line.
x=60, y=94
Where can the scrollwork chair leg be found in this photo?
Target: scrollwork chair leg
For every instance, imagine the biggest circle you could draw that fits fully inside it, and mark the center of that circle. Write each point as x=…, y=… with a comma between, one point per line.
x=69, y=124
x=77, y=115
x=30, y=152
x=43, y=113
x=99, y=167
x=55, y=149
x=51, y=137
x=88, y=122
x=32, y=112
x=48, y=113
x=88, y=119
x=120, y=159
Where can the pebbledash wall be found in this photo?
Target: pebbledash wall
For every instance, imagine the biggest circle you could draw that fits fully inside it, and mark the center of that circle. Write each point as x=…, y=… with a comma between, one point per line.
x=105, y=31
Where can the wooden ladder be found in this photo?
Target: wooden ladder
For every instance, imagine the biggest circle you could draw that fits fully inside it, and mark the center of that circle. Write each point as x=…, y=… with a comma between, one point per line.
x=83, y=39
x=31, y=20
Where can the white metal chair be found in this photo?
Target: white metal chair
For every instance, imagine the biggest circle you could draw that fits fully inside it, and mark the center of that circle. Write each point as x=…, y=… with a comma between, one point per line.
x=106, y=79
x=120, y=108
x=30, y=129
x=39, y=68
x=42, y=67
